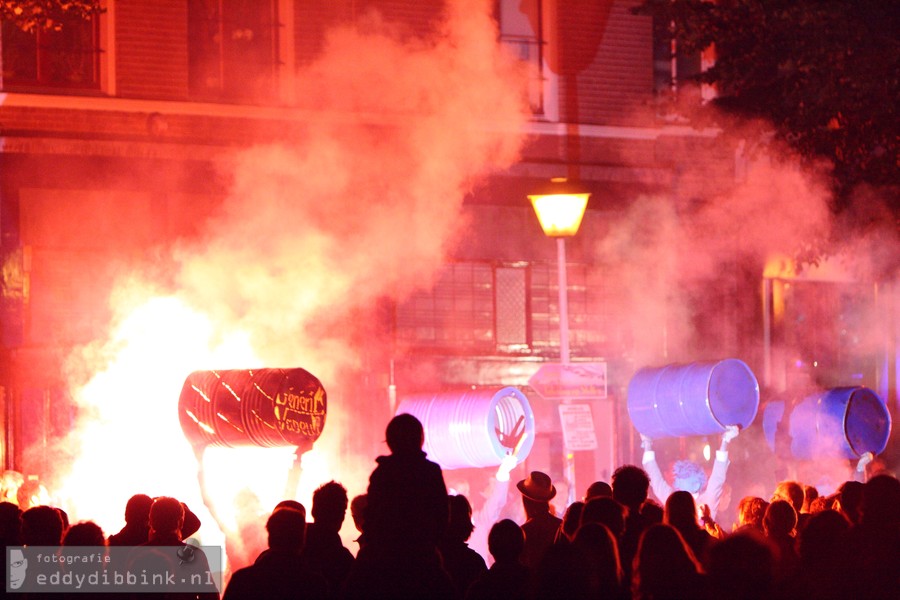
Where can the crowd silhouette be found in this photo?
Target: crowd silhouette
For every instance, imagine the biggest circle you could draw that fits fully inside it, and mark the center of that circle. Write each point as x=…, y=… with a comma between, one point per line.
x=614, y=542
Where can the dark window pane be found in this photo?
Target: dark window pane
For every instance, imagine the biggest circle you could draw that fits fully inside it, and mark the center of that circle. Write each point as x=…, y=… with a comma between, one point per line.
x=67, y=58
x=232, y=48
x=520, y=33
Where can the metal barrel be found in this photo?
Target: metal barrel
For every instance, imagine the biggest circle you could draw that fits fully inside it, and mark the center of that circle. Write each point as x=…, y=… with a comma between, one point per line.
x=473, y=428
x=699, y=398
x=253, y=407
x=842, y=422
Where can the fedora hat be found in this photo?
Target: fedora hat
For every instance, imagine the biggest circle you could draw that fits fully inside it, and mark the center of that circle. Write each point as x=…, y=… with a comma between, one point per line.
x=537, y=486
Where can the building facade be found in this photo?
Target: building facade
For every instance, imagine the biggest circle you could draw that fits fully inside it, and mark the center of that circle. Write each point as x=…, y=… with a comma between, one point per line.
x=114, y=129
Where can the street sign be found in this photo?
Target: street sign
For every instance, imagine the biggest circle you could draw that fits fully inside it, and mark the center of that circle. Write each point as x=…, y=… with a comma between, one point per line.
x=573, y=381
x=577, y=426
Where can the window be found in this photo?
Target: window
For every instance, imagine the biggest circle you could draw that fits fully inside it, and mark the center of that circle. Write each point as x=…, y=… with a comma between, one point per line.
x=232, y=46
x=457, y=312
x=45, y=58
x=481, y=308
x=672, y=69
x=520, y=31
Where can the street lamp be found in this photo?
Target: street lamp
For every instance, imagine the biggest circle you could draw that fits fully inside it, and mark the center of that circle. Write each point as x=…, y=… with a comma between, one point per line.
x=560, y=207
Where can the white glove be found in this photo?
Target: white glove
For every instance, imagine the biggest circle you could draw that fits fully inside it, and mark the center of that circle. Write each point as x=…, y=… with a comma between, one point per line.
x=508, y=463
x=864, y=460
x=731, y=432
x=646, y=442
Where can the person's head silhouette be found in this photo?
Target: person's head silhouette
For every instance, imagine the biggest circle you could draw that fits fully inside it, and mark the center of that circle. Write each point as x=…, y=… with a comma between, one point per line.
x=404, y=434
x=166, y=517
x=18, y=565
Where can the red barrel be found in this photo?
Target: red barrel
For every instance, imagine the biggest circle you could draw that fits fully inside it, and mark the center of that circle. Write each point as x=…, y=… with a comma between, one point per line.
x=256, y=407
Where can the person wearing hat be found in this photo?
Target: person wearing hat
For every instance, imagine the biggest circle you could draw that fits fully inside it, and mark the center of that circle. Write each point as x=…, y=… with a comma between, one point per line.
x=541, y=525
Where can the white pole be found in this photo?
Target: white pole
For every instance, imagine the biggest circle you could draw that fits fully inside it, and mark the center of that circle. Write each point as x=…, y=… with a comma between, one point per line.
x=563, y=301
x=564, y=352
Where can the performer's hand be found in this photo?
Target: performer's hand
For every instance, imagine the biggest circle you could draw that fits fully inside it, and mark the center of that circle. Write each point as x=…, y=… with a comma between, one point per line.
x=508, y=463
x=646, y=442
x=864, y=460
x=731, y=432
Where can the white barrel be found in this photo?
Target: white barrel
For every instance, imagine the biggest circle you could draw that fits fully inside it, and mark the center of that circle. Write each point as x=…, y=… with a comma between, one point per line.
x=473, y=428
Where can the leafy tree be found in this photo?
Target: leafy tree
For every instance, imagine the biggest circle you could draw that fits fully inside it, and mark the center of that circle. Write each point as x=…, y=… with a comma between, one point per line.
x=823, y=72
x=28, y=15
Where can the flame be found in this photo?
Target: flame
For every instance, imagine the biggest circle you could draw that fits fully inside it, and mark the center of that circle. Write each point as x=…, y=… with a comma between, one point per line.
x=127, y=439
x=832, y=268
x=779, y=266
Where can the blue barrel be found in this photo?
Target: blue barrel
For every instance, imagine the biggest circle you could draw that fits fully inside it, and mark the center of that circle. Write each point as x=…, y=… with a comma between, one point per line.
x=843, y=422
x=252, y=407
x=699, y=398
x=473, y=428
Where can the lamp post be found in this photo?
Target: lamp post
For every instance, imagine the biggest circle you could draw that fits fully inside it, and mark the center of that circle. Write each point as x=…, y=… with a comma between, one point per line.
x=560, y=207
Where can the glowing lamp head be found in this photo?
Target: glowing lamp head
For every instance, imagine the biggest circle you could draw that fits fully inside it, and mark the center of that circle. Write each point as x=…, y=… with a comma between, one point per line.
x=560, y=207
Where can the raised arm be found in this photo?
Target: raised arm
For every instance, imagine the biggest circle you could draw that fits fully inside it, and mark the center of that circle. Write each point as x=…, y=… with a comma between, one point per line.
x=661, y=488
x=713, y=492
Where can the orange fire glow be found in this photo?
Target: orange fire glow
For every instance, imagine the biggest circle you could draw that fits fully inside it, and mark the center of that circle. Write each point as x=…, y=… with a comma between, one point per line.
x=128, y=440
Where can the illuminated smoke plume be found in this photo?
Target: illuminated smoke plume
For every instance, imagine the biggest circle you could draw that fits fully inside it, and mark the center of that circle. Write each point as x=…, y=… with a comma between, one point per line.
x=664, y=249
x=665, y=252
x=363, y=203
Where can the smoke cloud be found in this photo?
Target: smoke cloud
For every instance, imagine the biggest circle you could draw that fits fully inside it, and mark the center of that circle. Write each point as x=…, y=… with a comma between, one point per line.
x=362, y=203
x=668, y=253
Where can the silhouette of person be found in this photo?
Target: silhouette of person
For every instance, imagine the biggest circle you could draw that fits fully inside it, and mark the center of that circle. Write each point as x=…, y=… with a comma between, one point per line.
x=665, y=568
x=600, y=554
x=541, y=525
x=780, y=523
x=462, y=563
x=85, y=533
x=507, y=578
x=570, y=523
x=681, y=513
x=792, y=493
x=822, y=547
x=165, y=552
x=137, y=522
x=741, y=567
x=293, y=504
x=874, y=543
x=42, y=526
x=598, y=489
x=10, y=524
x=408, y=503
x=10, y=529
x=588, y=567
x=850, y=498
x=191, y=524
x=652, y=511
x=630, y=486
x=358, y=514
x=323, y=551
x=406, y=517
x=751, y=511
x=605, y=511
x=279, y=573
